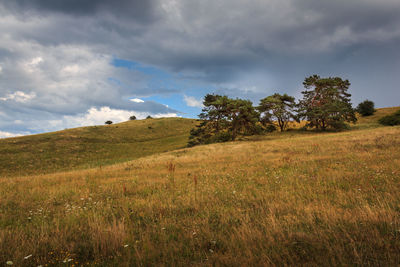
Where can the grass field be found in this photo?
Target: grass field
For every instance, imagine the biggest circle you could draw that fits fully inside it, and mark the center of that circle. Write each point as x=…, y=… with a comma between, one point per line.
x=297, y=198
x=94, y=146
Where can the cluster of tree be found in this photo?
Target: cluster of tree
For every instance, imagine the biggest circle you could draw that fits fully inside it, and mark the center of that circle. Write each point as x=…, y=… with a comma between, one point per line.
x=325, y=104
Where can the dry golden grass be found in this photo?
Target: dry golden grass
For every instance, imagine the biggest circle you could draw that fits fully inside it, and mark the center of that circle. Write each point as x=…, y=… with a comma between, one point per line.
x=312, y=199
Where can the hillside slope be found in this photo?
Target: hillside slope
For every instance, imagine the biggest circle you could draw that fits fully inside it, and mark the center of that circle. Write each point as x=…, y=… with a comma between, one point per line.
x=318, y=199
x=91, y=146
x=372, y=121
x=94, y=146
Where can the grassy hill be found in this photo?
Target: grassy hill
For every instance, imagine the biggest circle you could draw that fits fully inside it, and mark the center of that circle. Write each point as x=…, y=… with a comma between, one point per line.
x=93, y=146
x=296, y=198
x=372, y=121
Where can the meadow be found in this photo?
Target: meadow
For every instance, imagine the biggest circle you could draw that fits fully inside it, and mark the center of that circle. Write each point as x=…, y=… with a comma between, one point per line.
x=94, y=146
x=298, y=198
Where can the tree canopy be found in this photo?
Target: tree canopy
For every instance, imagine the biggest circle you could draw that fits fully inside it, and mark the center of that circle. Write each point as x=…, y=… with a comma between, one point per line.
x=277, y=107
x=326, y=102
x=224, y=119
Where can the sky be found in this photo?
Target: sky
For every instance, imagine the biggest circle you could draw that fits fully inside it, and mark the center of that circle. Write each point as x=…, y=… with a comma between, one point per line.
x=72, y=63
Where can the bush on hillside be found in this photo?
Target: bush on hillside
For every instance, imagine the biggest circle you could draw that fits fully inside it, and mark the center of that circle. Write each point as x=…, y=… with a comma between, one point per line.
x=366, y=108
x=108, y=122
x=391, y=120
x=339, y=126
x=270, y=128
x=132, y=118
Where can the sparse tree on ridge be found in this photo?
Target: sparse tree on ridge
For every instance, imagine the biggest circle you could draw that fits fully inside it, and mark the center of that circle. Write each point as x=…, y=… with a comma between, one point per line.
x=108, y=122
x=132, y=118
x=326, y=103
x=280, y=108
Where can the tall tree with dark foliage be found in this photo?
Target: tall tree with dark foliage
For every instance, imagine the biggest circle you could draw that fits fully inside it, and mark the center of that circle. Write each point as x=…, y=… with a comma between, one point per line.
x=326, y=103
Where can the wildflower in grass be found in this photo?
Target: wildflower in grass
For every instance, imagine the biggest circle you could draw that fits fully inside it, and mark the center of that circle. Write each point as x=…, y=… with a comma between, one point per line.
x=9, y=263
x=126, y=245
x=27, y=257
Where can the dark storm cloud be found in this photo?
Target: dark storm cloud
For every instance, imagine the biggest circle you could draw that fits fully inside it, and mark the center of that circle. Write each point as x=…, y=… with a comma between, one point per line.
x=136, y=9
x=62, y=51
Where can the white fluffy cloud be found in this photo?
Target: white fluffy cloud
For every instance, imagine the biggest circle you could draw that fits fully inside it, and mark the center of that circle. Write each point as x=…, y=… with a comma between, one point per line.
x=19, y=96
x=8, y=134
x=137, y=100
x=98, y=116
x=192, y=102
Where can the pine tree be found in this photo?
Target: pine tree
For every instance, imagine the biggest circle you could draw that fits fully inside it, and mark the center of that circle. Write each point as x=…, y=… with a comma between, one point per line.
x=326, y=102
x=277, y=107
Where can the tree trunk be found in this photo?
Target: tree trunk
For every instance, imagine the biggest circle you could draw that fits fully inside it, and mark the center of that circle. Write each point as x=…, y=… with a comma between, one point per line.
x=281, y=125
x=323, y=125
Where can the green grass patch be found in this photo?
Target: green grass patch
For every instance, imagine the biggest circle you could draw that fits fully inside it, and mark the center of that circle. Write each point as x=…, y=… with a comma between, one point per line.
x=93, y=146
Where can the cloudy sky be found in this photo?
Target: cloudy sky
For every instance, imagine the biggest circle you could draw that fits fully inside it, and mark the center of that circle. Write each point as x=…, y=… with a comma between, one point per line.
x=70, y=63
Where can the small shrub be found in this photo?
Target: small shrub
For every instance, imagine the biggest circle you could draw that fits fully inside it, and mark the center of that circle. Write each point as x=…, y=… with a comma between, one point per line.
x=391, y=120
x=132, y=118
x=270, y=128
x=366, y=108
x=149, y=117
x=257, y=129
x=340, y=125
x=223, y=137
x=108, y=122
